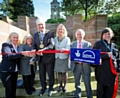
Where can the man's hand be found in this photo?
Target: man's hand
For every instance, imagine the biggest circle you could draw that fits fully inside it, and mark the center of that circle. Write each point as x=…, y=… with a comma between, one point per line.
x=39, y=52
x=28, y=53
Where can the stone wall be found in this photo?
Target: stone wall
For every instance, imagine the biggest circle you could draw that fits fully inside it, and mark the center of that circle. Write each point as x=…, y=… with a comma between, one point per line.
x=9, y=21
x=6, y=29
x=24, y=25
x=92, y=27
x=32, y=25
x=69, y=26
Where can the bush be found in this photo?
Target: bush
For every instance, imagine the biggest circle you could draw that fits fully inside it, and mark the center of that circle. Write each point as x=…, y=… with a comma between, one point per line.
x=114, y=24
x=59, y=20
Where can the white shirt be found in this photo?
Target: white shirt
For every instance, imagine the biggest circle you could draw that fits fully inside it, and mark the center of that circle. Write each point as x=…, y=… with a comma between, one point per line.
x=78, y=44
x=15, y=48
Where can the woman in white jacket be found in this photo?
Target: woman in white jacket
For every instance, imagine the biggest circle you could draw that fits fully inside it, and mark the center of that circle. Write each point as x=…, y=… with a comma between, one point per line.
x=62, y=42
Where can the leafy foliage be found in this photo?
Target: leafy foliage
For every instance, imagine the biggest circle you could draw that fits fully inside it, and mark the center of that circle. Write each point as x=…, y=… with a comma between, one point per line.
x=13, y=8
x=109, y=7
x=71, y=7
x=89, y=8
x=114, y=24
x=59, y=20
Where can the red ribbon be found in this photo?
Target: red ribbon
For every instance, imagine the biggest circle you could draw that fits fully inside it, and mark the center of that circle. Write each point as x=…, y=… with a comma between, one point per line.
x=54, y=51
x=68, y=52
x=116, y=79
x=42, y=51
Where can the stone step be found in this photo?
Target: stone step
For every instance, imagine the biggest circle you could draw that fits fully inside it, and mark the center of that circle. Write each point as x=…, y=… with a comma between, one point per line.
x=70, y=88
x=69, y=94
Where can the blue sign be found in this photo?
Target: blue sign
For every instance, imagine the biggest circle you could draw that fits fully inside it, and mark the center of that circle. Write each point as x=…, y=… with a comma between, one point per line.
x=91, y=56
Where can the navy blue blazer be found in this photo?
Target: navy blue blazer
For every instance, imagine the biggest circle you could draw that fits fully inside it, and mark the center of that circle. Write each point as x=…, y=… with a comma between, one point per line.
x=9, y=61
x=48, y=42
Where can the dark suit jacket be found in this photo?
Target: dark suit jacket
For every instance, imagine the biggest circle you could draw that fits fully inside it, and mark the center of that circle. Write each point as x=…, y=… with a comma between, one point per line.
x=9, y=61
x=86, y=66
x=48, y=41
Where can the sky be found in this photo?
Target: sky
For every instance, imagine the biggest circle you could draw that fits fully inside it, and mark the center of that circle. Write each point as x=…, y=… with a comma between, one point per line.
x=42, y=8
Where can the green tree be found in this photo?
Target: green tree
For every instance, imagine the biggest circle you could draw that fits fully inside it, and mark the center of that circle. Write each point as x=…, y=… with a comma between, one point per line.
x=59, y=20
x=71, y=7
x=109, y=7
x=13, y=8
x=89, y=8
x=114, y=24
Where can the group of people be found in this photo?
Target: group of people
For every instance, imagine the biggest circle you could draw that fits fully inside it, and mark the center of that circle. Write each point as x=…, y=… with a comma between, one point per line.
x=22, y=58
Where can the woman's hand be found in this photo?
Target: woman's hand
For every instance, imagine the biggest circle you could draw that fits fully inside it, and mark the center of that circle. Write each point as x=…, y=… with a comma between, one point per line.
x=39, y=52
x=28, y=53
x=100, y=61
x=63, y=49
x=32, y=63
x=110, y=54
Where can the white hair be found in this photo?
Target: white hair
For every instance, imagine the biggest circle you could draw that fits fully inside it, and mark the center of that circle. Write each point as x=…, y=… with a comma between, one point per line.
x=82, y=32
x=40, y=21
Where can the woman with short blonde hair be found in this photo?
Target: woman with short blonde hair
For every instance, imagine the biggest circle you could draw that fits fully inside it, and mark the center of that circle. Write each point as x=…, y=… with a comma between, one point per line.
x=27, y=65
x=25, y=38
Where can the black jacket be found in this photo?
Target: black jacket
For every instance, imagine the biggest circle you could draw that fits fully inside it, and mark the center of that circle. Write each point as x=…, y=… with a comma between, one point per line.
x=9, y=58
x=48, y=42
x=103, y=72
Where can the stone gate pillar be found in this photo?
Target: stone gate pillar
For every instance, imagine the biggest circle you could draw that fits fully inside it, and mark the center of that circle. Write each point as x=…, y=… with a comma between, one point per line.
x=23, y=23
x=77, y=23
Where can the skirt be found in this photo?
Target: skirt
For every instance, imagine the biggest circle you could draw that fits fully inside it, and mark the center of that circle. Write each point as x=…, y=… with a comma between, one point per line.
x=62, y=65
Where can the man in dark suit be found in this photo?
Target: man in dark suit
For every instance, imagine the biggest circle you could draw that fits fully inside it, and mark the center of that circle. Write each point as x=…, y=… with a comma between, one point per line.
x=79, y=68
x=44, y=40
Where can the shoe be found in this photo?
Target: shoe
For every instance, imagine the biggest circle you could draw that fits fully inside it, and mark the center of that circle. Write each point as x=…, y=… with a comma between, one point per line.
x=29, y=92
x=50, y=93
x=33, y=89
x=64, y=90
x=42, y=92
x=60, y=89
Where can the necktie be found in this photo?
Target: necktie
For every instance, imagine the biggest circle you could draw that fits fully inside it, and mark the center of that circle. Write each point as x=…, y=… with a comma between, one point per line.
x=41, y=35
x=80, y=46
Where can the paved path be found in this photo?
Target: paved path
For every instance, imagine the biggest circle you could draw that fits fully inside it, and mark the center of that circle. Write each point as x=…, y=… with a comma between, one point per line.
x=69, y=94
